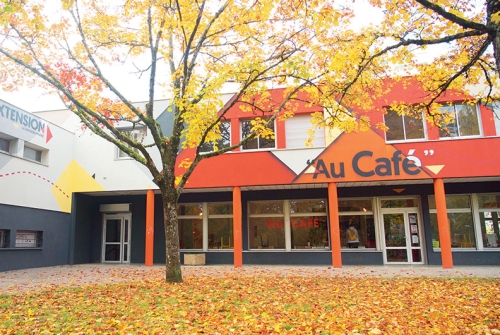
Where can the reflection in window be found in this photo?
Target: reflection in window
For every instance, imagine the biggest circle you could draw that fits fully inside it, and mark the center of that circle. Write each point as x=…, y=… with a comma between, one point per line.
x=220, y=226
x=403, y=127
x=266, y=225
x=357, y=223
x=460, y=218
x=190, y=218
x=309, y=224
x=257, y=142
x=463, y=121
x=489, y=216
x=223, y=142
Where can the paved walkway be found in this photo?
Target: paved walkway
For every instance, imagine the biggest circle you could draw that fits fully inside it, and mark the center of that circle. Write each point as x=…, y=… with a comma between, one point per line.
x=77, y=275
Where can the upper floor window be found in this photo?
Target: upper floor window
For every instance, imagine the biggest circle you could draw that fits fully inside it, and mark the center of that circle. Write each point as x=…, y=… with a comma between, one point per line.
x=257, y=142
x=32, y=154
x=463, y=121
x=298, y=130
x=4, y=145
x=403, y=127
x=223, y=142
x=136, y=134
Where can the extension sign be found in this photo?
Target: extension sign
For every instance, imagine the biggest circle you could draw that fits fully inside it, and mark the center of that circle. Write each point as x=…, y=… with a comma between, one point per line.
x=25, y=124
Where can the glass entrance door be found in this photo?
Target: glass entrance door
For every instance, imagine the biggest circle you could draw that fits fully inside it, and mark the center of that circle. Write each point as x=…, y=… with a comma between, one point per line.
x=116, y=238
x=402, y=234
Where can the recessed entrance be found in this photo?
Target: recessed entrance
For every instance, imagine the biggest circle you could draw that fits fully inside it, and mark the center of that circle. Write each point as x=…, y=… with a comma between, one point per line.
x=116, y=238
x=401, y=231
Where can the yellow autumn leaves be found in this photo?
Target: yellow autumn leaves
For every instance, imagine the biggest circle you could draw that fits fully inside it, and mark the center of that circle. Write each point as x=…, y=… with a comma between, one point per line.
x=259, y=303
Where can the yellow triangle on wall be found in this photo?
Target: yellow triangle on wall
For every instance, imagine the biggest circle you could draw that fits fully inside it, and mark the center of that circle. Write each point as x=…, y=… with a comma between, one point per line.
x=435, y=168
x=398, y=190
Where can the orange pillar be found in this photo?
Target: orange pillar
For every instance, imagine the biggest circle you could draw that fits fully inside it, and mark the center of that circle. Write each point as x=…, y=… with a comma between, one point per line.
x=237, y=223
x=443, y=224
x=150, y=228
x=333, y=209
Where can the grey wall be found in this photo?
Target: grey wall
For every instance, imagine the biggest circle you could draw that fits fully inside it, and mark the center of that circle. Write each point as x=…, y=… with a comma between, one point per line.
x=55, y=227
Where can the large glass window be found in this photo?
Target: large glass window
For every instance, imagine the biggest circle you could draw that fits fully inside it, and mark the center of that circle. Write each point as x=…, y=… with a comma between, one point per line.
x=220, y=226
x=190, y=218
x=489, y=217
x=223, y=142
x=309, y=224
x=257, y=142
x=403, y=127
x=460, y=218
x=266, y=225
x=357, y=224
x=463, y=121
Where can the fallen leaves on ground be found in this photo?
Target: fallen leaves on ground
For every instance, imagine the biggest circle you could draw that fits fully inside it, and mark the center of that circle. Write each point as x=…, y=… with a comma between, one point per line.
x=239, y=302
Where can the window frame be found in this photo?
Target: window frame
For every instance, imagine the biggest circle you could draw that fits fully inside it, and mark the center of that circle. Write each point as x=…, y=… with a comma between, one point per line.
x=4, y=238
x=257, y=139
x=223, y=142
x=9, y=143
x=301, y=123
x=363, y=211
x=445, y=135
x=36, y=150
x=134, y=133
x=29, y=243
x=459, y=210
x=404, y=125
x=224, y=245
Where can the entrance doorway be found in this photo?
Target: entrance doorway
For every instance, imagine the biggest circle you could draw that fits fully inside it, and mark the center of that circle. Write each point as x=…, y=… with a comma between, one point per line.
x=402, y=231
x=116, y=238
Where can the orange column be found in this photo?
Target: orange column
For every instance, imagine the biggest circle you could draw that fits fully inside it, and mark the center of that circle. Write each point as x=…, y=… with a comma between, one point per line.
x=237, y=223
x=333, y=208
x=150, y=228
x=443, y=224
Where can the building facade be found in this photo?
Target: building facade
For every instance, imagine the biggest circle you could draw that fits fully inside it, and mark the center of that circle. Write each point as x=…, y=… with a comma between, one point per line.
x=415, y=194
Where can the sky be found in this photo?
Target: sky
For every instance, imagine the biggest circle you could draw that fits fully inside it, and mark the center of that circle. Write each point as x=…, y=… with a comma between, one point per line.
x=34, y=99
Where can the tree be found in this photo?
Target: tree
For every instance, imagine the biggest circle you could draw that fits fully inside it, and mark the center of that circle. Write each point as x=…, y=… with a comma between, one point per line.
x=188, y=49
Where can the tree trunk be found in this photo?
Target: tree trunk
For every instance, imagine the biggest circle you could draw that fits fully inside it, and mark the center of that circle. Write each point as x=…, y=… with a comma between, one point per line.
x=170, y=222
x=492, y=7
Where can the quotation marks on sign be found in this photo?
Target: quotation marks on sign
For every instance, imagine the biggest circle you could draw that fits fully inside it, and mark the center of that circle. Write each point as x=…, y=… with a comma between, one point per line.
x=429, y=152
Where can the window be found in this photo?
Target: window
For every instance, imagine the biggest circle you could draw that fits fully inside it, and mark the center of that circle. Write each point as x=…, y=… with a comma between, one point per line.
x=403, y=127
x=220, y=226
x=32, y=154
x=309, y=224
x=4, y=238
x=489, y=218
x=4, y=145
x=464, y=121
x=460, y=218
x=297, y=128
x=137, y=135
x=267, y=225
x=257, y=142
x=29, y=239
x=357, y=214
x=223, y=142
x=190, y=218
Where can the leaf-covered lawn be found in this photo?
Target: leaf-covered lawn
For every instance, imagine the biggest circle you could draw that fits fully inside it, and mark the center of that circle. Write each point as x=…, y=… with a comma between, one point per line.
x=240, y=303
